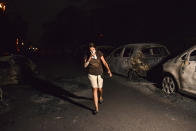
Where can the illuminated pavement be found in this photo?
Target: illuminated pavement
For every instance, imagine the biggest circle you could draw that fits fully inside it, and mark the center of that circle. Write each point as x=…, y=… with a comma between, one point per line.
x=125, y=109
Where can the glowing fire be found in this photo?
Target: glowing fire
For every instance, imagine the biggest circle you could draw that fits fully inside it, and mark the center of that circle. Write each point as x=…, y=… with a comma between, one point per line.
x=2, y=6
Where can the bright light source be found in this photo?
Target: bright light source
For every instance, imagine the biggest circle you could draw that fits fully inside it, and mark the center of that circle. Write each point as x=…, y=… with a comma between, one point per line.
x=33, y=48
x=2, y=6
x=17, y=41
x=29, y=48
x=22, y=43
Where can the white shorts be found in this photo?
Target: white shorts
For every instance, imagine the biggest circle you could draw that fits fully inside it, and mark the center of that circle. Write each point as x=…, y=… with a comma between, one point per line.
x=96, y=81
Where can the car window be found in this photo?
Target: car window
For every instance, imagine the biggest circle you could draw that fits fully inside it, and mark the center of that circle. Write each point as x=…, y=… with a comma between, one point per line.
x=159, y=51
x=193, y=56
x=183, y=57
x=128, y=52
x=147, y=51
x=117, y=53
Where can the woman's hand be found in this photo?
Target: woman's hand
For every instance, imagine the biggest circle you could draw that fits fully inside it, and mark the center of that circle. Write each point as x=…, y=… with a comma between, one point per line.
x=90, y=57
x=110, y=73
x=86, y=62
x=106, y=65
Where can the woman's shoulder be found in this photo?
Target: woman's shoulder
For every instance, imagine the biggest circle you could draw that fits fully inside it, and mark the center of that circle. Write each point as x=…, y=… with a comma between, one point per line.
x=99, y=52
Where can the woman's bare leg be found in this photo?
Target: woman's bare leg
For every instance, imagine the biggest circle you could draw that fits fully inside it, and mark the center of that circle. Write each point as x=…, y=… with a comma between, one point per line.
x=95, y=96
x=100, y=94
x=100, y=85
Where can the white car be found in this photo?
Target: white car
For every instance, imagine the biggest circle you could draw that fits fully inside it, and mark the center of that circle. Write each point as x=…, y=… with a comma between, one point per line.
x=180, y=73
x=136, y=59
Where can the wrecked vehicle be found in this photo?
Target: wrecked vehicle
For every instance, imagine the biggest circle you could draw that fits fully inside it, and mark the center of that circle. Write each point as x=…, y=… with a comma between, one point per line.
x=15, y=69
x=135, y=60
x=180, y=73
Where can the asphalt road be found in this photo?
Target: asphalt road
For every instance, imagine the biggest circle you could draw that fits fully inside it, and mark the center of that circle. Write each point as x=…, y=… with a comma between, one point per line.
x=128, y=106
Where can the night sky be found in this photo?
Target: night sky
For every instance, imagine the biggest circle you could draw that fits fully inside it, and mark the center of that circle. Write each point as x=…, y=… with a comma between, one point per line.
x=145, y=19
x=38, y=12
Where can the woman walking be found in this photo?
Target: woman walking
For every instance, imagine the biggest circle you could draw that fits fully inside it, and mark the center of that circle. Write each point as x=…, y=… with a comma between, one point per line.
x=92, y=61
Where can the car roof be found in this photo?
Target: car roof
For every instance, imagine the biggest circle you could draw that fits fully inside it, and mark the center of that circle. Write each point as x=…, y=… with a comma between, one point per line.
x=188, y=49
x=192, y=47
x=105, y=46
x=143, y=45
x=6, y=58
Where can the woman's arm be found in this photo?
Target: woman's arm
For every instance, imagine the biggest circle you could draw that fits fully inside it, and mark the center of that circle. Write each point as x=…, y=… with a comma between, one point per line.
x=106, y=65
x=86, y=62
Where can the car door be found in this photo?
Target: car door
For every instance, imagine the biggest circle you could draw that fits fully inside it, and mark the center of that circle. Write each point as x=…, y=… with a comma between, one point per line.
x=148, y=57
x=188, y=72
x=114, y=61
x=159, y=54
x=154, y=55
x=4, y=71
x=125, y=61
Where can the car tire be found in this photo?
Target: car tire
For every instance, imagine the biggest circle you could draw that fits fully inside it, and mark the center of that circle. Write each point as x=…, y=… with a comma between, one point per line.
x=168, y=84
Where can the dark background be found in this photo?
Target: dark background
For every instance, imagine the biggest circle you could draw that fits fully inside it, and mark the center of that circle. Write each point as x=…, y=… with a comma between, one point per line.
x=68, y=24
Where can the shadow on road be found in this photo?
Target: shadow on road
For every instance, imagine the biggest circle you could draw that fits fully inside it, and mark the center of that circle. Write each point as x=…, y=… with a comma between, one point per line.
x=54, y=90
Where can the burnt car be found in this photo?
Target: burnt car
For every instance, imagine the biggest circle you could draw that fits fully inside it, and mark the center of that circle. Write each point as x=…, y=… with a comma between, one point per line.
x=15, y=69
x=135, y=60
x=180, y=73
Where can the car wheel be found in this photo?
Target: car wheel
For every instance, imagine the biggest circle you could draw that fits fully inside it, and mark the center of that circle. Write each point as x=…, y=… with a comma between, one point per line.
x=169, y=84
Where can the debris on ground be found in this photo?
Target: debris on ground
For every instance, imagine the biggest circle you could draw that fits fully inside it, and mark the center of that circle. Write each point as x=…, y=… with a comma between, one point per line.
x=41, y=98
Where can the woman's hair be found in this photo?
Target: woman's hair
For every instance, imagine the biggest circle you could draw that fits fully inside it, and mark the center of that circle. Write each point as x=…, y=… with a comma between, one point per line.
x=91, y=44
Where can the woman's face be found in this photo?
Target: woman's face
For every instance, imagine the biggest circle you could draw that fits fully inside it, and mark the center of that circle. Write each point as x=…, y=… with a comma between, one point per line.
x=92, y=49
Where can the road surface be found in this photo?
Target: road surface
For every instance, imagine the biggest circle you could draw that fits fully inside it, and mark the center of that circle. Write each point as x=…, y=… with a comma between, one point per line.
x=65, y=104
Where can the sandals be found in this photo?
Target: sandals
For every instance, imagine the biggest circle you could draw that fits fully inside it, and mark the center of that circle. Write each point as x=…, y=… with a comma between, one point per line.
x=95, y=112
x=101, y=101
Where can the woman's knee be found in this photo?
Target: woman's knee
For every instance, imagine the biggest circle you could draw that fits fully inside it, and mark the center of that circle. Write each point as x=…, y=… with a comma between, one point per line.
x=100, y=89
x=95, y=90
